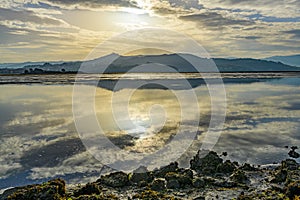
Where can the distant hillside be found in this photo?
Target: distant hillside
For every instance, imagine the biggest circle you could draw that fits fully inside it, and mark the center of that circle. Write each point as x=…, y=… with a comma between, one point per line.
x=293, y=60
x=177, y=62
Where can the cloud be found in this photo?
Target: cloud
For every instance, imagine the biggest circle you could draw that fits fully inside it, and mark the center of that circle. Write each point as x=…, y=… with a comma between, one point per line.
x=26, y=16
x=216, y=20
x=277, y=8
x=295, y=33
x=94, y=3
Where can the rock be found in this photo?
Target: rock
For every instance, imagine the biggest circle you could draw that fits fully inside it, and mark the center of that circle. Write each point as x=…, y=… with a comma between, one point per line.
x=248, y=167
x=293, y=190
x=227, y=167
x=199, y=183
x=207, y=164
x=51, y=190
x=199, y=198
x=173, y=184
x=294, y=154
x=161, y=173
x=116, y=179
x=280, y=176
x=294, y=148
x=224, y=153
x=184, y=179
x=225, y=184
x=158, y=184
x=289, y=164
x=150, y=194
x=292, y=176
x=141, y=174
x=88, y=189
x=239, y=177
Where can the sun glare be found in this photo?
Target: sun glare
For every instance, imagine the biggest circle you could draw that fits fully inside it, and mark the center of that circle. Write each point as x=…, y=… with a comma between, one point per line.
x=136, y=11
x=143, y=6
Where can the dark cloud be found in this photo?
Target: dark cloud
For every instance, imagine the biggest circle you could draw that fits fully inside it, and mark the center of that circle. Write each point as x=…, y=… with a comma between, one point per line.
x=295, y=33
x=96, y=3
x=25, y=16
x=250, y=37
x=215, y=20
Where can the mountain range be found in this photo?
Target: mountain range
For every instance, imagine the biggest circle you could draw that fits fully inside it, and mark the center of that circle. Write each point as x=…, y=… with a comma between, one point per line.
x=155, y=63
x=293, y=60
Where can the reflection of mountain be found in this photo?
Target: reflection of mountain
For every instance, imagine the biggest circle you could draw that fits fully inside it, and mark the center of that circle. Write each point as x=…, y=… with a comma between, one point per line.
x=167, y=62
x=174, y=84
x=293, y=60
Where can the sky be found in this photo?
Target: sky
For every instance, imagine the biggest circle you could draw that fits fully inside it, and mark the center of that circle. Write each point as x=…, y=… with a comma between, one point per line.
x=54, y=30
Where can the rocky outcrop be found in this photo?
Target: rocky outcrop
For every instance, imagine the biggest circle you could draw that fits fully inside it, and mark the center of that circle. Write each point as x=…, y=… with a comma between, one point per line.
x=208, y=177
x=207, y=164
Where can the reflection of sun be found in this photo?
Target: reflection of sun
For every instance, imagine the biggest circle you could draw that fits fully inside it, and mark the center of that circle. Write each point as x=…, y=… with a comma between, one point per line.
x=143, y=6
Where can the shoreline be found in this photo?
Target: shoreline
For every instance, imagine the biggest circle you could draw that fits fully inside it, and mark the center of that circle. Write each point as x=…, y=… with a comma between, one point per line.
x=210, y=176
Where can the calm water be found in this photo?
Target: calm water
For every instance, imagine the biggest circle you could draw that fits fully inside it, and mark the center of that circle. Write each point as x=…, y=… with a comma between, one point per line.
x=39, y=141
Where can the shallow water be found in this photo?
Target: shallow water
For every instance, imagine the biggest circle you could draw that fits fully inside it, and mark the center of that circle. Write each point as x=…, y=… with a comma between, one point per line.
x=39, y=141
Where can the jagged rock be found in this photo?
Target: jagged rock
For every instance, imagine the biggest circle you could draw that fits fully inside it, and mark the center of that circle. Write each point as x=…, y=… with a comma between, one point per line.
x=239, y=177
x=294, y=154
x=150, y=194
x=227, y=167
x=158, y=184
x=161, y=173
x=88, y=189
x=225, y=184
x=293, y=190
x=96, y=197
x=185, y=178
x=294, y=148
x=289, y=164
x=173, y=184
x=51, y=190
x=248, y=167
x=198, y=183
x=280, y=176
x=141, y=175
x=207, y=164
x=116, y=179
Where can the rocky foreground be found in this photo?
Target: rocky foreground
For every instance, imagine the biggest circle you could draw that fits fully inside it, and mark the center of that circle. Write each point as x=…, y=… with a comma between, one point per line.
x=209, y=177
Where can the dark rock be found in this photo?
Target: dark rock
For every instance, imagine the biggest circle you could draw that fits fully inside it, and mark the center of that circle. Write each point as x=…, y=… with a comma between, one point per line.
x=161, y=173
x=239, y=177
x=51, y=190
x=88, y=189
x=248, y=167
x=141, y=174
x=225, y=184
x=280, y=176
x=289, y=164
x=227, y=167
x=294, y=148
x=294, y=154
x=183, y=179
x=150, y=194
x=158, y=184
x=198, y=183
x=116, y=179
x=292, y=176
x=207, y=164
x=173, y=184
x=224, y=154
x=293, y=189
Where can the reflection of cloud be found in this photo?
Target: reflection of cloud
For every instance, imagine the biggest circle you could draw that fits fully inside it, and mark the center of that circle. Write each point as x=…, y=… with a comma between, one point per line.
x=262, y=118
